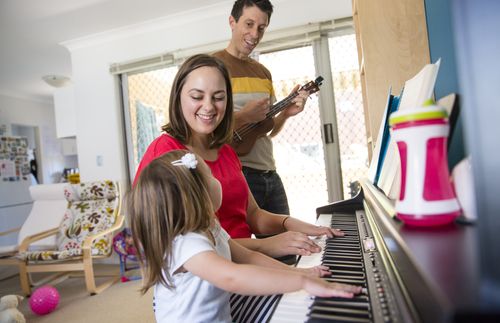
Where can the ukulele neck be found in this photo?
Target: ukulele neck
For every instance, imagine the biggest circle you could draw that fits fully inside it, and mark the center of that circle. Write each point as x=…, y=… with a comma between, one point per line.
x=280, y=106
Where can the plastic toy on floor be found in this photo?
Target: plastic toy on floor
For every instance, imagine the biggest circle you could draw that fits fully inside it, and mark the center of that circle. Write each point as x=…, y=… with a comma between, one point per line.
x=124, y=247
x=44, y=300
x=8, y=309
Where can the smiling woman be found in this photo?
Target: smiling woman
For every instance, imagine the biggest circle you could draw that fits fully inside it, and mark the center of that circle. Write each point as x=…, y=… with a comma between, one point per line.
x=203, y=101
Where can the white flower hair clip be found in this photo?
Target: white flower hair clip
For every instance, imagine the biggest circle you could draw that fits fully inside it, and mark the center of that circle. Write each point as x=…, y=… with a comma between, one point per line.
x=189, y=160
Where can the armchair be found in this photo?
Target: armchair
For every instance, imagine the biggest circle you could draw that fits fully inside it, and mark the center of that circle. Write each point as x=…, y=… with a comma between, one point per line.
x=85, y=233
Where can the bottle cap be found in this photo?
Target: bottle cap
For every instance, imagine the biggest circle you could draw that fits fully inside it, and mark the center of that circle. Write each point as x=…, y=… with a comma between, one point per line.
x=430, y=112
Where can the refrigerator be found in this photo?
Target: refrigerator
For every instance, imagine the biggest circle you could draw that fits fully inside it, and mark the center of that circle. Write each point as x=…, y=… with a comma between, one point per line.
x=15, y=180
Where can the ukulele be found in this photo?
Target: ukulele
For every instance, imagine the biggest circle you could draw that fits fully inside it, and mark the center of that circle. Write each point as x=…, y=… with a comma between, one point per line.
x=244, y=137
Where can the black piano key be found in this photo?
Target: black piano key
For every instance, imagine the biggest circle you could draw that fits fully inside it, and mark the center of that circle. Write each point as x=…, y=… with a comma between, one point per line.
x=329, y=250
x=333, y=252
x=347, y=274
x=341, y=311
x=344, y=258
x=333, y=248
x=347, y=234
x=361, y=298
x=331, y=260
x=350, y=235
x=349, y=238
x=353, y=240
x=344, y=303
x=341, y=243
x=345, y=222
x=342, y=264
x=343, y=270
x=344, y=226
x=357, y=282
x=323, y=318
x=346, y=242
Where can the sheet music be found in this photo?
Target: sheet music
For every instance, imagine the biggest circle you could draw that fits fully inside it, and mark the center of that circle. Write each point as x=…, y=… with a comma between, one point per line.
x=416, y=91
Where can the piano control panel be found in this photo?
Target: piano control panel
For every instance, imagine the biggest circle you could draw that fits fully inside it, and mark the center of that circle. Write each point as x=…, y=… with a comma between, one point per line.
x=352, y=259
x=384, y=305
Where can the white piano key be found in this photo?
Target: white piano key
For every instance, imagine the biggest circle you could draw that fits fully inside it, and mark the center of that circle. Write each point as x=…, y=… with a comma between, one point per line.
x=294, y=307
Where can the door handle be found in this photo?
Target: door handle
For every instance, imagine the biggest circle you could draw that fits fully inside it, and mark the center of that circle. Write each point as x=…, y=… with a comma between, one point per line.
x=328, y=133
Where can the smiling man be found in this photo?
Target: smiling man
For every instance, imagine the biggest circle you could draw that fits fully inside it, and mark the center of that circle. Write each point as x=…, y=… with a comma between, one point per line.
x=252, y=95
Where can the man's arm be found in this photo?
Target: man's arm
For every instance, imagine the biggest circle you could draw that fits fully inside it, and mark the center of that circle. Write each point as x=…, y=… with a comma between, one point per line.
x=253, y=111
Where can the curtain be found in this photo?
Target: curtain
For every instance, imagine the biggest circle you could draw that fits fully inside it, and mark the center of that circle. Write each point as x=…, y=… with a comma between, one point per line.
x=147, y=129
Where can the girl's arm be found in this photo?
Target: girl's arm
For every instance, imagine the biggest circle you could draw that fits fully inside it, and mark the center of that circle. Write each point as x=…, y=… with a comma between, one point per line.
x=234, y=278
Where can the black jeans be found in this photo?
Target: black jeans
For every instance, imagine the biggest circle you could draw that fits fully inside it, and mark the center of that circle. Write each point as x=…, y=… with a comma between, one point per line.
x=269, y=193
x=267, y=189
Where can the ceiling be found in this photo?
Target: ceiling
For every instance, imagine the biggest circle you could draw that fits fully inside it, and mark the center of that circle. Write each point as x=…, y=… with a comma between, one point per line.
x=31, y=33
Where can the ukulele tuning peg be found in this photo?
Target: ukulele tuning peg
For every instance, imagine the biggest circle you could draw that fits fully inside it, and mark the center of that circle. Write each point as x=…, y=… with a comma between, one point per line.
x=319, y=80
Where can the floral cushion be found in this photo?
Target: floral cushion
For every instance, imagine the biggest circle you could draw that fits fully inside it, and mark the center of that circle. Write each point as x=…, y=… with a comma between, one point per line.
x=91, y=209
x=91, y=191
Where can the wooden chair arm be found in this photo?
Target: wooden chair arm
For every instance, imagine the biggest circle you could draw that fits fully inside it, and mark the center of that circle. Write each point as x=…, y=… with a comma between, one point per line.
x=4, y=233
x=39, y=236
x=87, y=243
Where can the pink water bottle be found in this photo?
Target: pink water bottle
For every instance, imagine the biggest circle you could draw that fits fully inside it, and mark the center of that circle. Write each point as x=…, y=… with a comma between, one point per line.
x=426, y=197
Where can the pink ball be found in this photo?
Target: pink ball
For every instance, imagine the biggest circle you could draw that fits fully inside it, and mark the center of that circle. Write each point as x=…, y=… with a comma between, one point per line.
x=44, y=300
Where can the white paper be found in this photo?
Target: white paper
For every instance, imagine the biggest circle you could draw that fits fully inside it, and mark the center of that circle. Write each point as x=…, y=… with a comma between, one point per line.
x=7, y=168
x=416, y=91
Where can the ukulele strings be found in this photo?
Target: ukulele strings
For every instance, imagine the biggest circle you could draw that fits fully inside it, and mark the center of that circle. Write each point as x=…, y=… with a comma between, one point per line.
x=245, y=130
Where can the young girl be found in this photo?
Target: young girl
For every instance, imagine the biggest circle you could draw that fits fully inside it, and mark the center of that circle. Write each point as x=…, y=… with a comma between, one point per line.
x=189, y=259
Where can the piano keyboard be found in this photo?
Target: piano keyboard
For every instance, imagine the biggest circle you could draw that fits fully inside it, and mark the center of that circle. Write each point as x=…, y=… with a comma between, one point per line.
x=352, y=259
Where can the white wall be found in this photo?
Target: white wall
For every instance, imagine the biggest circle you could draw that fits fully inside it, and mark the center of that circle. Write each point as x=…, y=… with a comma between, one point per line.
x=100, y=131
x=37, y=114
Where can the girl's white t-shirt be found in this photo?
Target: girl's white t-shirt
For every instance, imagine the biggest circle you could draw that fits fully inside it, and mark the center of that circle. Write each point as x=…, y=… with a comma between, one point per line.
x=193, y=299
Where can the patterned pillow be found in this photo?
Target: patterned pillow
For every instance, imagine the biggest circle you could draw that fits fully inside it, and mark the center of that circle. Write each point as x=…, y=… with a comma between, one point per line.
x=91, y=191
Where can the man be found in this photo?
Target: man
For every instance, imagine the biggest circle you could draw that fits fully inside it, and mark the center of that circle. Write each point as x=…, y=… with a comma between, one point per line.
x=252, y=95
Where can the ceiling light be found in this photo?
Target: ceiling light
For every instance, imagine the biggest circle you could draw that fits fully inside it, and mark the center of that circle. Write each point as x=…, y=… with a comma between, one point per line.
x=56, y=80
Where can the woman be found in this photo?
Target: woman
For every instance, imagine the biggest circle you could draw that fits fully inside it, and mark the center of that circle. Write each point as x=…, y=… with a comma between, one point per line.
x=201, y=115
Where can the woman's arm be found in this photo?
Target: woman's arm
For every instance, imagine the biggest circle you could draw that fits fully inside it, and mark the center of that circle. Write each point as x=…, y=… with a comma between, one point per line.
x=242, y=255
x=264, y=222
x=288, y=243
x=293, y=239
x=233, y=278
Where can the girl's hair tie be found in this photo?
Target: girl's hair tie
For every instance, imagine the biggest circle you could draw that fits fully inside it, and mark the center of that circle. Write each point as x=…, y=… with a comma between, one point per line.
x=189, y=160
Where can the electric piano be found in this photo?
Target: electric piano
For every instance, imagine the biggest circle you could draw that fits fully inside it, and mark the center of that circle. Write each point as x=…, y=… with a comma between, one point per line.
x=407, y=274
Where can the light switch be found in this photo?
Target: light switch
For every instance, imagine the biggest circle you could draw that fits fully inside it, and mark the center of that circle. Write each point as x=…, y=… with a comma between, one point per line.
x=99, y=160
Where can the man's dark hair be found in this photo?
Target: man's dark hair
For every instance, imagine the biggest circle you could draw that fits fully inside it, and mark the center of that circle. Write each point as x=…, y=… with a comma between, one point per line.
x=239, y=5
